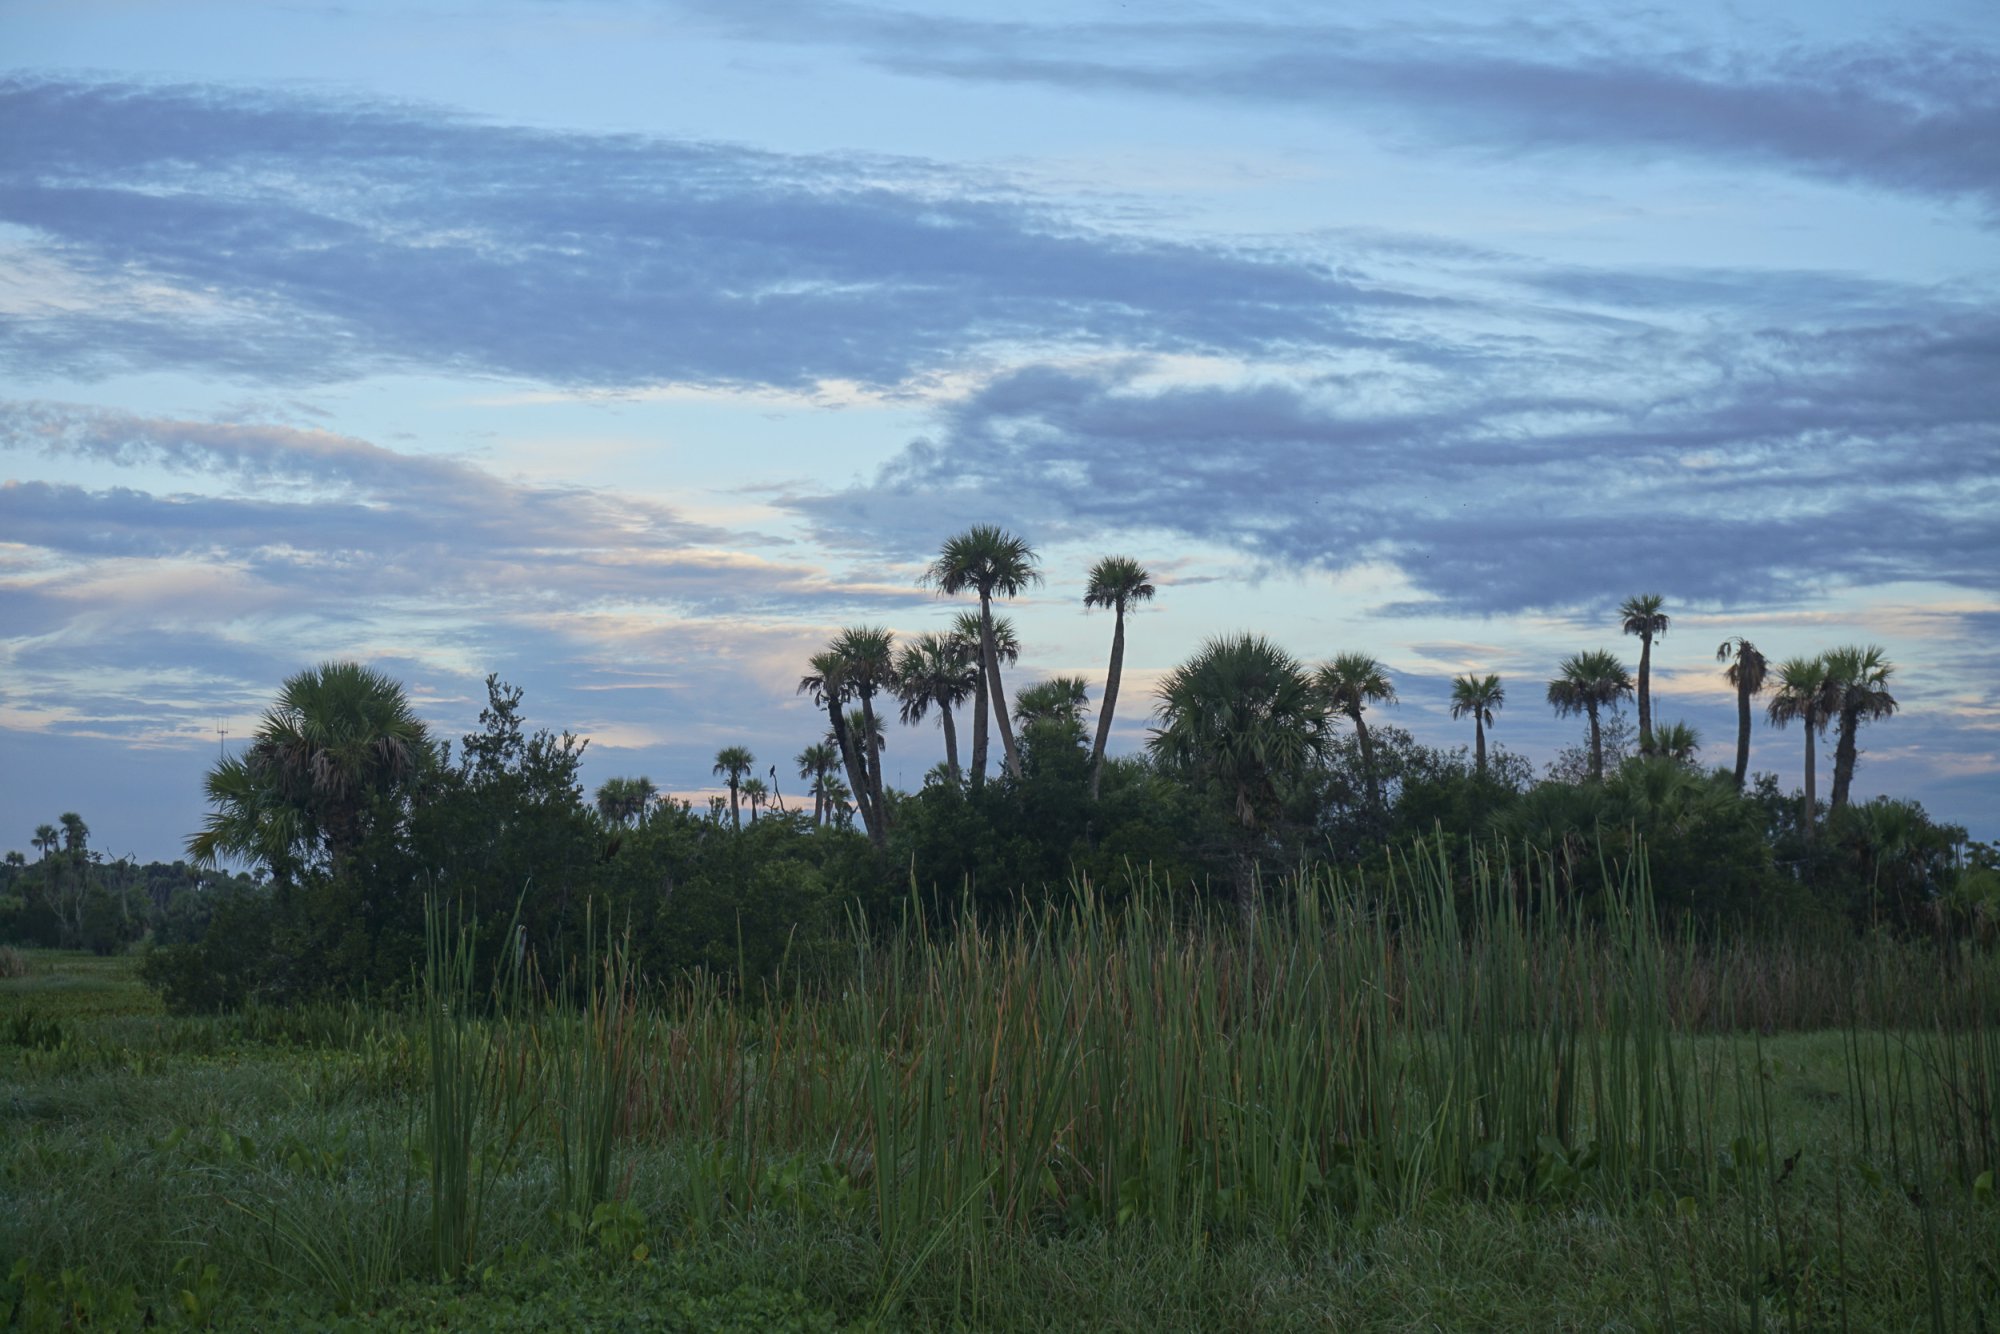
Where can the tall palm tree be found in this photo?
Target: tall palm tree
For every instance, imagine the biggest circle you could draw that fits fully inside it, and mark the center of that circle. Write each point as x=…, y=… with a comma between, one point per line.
x=756, y=793
x=1120, y=583
x=331, y=757
x=732, y=765
x=47, y=839
x=1746, y=673
x=870, y=655
x=1351, y=682
x=828, y=685
x=937, y=669
x=1641, y=616
x=991, y=561
x=1588, y=684
x=967, y=627
x=1480, y=697
x=816, y=763
x=1808, y=694
x=76, y=834
x=1242, y=715
x=1862, y=675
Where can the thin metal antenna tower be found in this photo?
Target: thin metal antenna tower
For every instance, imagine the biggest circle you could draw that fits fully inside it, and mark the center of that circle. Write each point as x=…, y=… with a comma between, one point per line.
x=222, y=740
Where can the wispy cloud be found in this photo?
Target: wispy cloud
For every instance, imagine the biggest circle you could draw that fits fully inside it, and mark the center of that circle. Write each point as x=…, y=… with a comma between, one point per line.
x=1915, y=111
x=282, y=240
x=1730, y=466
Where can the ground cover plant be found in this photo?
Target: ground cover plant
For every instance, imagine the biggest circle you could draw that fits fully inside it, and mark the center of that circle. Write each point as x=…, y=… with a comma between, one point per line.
x=1420, y=1101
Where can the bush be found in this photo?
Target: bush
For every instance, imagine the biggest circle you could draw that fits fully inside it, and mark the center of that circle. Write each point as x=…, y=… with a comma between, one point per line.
x=13, y=963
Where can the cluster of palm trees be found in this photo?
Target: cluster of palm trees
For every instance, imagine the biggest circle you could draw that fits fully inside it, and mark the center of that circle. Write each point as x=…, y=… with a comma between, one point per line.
x=1241, y=709
x=1841, y=688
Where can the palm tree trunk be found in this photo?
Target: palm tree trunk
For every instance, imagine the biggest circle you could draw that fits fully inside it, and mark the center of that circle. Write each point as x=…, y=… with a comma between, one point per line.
x=856, y=775
x=995, y=689
x=1844, y=755
x=950, y=742
x=1645, y=696
x=735, y=811
x=1110, y=702
x=1812, y=784
x=874, y=760
x=1742, y=724
x=1479, y=743
x=1367, y=758
x=979, y=722
x=1596, y=747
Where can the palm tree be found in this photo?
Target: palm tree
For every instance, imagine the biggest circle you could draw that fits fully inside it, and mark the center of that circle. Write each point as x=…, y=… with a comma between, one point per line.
x=1351, y=682
x=340, y=742
x=1589, y=683
x=1242, y=715
x=1120, y=583
x=1862, y=677
x=816, y=764
x=1058, y=705
x=1677, y=742
x=870, y=656
x=46, y=839
x=76, y=834
x=991, y=561
x=623, y=801
x=732, y=765
x=1641, y=616
x=936, y=669
x=1806, y=693
x=756, y=793
x=1481, y=697
x=828, y=685
x=1747, y=674
x=967, y=628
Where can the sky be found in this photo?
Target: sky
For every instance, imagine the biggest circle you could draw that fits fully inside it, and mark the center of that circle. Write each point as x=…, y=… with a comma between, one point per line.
x=630, y=349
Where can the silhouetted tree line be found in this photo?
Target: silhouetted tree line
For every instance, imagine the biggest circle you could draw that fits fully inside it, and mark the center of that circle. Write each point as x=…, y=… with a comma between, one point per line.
x=1257, y=765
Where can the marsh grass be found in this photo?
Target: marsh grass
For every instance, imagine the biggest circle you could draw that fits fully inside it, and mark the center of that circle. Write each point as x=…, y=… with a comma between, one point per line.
x=1453, y=1101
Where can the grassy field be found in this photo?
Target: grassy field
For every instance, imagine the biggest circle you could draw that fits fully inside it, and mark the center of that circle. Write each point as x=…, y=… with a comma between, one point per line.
x=1343, y=1119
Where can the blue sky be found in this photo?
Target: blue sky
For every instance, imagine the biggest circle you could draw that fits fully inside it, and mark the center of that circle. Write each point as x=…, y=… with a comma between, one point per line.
x=630, y=350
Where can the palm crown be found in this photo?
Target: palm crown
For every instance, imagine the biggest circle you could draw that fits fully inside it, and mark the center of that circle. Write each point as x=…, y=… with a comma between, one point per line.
x=1477, y=697
x=1118, y=582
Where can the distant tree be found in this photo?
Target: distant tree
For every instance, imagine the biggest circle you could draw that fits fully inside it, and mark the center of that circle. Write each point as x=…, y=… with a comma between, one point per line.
x=1588, y=684
x=47, y=839
x=623, y=801
x=1059, y=699
x=1480, y=697
x=1746, y=673
x=732, y=765
x=331, y=759
x=76, y=834
x=1120, y=583
x=756, y=792
x=1054, y=710
x=940, y=670
x=828, y=685
x=1642, y=616
x=1677, y=742
x=992, y=562
x=1244, y=720
x=816, y=765
x=1807, y=694
x=1861, y=676
x=1351, y=682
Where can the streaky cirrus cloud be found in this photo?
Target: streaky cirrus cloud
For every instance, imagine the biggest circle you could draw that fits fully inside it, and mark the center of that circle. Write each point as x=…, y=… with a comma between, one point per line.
x=1731, y=466
x=284, y=240
x=1915, y=111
